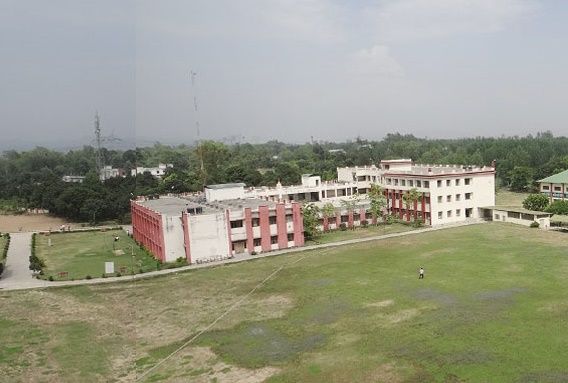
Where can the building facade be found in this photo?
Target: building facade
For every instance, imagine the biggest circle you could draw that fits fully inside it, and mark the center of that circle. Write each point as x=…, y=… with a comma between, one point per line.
x=555, y=187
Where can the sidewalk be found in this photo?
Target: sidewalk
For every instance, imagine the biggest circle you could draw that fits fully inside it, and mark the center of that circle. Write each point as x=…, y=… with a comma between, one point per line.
x=23, y=283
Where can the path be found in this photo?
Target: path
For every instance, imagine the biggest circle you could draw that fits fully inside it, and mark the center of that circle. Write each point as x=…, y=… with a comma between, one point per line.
x=23, y=283
x=17, y=274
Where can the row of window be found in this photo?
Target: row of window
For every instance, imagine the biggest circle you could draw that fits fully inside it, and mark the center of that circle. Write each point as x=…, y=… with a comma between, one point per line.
x=273, y=240
x=449, y=214
x=556, y=188
x=256, y=221
x=425, y=184
x=457, y=182
x=457, y=197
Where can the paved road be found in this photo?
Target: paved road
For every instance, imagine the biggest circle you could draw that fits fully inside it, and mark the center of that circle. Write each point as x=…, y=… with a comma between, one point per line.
x=22, y=280
x=17, y=273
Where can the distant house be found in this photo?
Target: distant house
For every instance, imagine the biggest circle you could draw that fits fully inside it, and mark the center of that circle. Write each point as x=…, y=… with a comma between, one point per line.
x=109, y=172
x=336, y=151
x=73, y=179
x=157, y=172
x=555, y=186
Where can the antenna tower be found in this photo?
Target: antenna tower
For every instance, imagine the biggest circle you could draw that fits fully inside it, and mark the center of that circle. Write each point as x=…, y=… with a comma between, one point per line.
x=98, y=140
x=192, y=76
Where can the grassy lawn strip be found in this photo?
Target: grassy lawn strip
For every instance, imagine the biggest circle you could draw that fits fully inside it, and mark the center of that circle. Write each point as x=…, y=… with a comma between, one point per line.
x=359, y=232
x=84, y=254
x=492, y=308
x=504, y=197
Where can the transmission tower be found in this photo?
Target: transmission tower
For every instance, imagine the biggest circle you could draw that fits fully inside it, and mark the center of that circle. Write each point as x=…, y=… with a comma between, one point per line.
x=192, y=76
x=98, y=142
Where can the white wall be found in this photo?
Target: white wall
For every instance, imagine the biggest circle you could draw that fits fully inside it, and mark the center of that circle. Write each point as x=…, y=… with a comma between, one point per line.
x=173, y=238
x=224, y=194
x=208, y=236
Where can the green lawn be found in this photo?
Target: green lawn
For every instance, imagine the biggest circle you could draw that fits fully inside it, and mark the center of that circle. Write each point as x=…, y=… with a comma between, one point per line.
x=504, y=197
x=492, y=308
x=81, y=254
x=359, y=232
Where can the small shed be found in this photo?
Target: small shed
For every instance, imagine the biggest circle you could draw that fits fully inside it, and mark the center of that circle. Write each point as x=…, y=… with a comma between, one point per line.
x=516, y=215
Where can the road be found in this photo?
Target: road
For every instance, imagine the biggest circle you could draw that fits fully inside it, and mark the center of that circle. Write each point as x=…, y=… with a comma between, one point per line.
x=17, y=274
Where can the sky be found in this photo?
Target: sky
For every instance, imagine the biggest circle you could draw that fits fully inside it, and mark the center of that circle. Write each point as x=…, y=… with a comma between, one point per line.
x=289, y=70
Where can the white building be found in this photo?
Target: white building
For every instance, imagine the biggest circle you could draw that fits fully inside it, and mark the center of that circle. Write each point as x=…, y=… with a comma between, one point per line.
x=555, y=187
x=157, y=172
x=73, y=179
x=108, y=172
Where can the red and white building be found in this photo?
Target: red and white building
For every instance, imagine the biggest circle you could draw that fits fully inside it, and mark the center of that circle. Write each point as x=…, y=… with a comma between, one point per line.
x=215, y=229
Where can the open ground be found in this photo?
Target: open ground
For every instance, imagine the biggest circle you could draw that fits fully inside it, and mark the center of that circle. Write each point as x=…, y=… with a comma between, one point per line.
x=12, y=223
x=491, y=308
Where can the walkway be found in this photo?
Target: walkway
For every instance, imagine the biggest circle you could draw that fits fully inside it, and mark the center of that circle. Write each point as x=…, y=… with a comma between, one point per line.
x=26, y=282
x=17, y=274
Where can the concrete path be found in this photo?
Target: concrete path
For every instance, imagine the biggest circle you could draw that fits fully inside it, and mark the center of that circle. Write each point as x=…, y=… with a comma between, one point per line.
x=17, y=273
x=23, y=282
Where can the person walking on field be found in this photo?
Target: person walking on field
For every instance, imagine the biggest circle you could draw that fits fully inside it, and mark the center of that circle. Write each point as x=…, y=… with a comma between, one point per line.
x=421, y=273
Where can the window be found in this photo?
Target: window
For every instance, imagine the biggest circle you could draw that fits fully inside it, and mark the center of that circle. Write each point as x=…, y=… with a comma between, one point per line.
x=449, y=213
x=448, y=182
x=256, y=242
x=458, y=197
x=255, y=222
x=402, y=182
x=289, y=218
x=272, y=220
x=235, y=224
x=468, y=181
x=468, y=195
x=439, y=199
x=344, y=218
x=439, y=183
x=545, y=187
x=388, y=181
x=458, y=213
x=396, y=182
x=439, y=215
x=557, y=188
x=457, y=183
x=368, y=215
x=290, y=237
x=426, y=184
x=418, y=183
x=449, y=198
x=410, y=183
x=497, y=217
x=274, y=240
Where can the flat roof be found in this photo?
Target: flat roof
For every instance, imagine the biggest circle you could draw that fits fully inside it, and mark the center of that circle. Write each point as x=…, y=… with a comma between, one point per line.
x=174, y=206
x=558, y=178
x=226, y=186
x=517, y=209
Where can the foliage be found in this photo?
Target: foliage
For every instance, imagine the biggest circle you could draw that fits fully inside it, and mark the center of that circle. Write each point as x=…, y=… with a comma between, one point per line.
x=534, y=224
x=310, y=213
x=378, y=201
x=536, y=202
x=343, y=226
x=521, y=178
x=558, y=207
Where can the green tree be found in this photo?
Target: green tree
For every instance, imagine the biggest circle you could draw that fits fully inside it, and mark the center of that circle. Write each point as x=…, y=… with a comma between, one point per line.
x=558, y=207
x=521, y=178
x=378, y=201
x=328, y=210
x=410, y=198
x=310, y=213
x=536, y=202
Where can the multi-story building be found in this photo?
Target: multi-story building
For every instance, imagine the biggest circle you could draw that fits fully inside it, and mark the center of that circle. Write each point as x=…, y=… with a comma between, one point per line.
x=108, y=172
x=555, y=186
x=203, y=230
x=157, y=172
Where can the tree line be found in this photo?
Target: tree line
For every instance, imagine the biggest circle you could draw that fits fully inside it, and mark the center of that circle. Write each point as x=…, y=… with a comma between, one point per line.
x=33, y=179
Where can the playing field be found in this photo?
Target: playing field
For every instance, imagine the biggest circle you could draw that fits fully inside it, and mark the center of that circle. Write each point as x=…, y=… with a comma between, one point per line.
x=359, y=232
x=492, y=308
x=82, y=254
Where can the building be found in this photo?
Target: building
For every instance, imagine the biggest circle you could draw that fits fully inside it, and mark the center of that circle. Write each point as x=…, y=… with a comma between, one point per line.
x=517, y=215
x=204, y=230
x=555, y=186
x=157, y=172
x=73, y=179
x=108, y=172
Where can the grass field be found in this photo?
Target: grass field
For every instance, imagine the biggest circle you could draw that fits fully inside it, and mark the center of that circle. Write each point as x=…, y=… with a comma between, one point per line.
x=492, y=308
x=504, y=197
x=82, y=254
x=359, y=232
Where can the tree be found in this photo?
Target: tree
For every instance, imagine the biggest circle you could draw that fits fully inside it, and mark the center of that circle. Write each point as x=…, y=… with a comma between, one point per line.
x=328, y=211
x=536, y=202
x=521, y=178
x=558, y=207
x=410, y=198
x=310, y=213
x=378, y=200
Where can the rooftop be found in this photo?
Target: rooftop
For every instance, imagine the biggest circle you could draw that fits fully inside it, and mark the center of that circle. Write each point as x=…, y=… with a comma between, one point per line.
x=426, y=170
x=558, y=178
x=226, y=186
x=517, y=209
x=174, y=206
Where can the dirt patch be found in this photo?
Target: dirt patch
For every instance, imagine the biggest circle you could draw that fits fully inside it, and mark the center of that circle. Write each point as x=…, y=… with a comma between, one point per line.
x=385, y=303
x=384, y=373
x=505, y=294
x=430, y=254
x=31, y=222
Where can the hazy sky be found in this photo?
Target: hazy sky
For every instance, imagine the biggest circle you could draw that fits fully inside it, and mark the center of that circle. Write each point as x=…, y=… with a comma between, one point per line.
x=283, y=69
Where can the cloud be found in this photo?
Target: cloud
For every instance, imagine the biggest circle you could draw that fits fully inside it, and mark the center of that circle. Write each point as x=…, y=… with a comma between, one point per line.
x=408, y=20
x=376, y=61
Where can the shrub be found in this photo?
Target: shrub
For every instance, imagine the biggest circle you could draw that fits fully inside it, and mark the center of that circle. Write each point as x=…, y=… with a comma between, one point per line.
x=1, y=268
x=253, y=252
x=537, y=202
x=343, y=226
x=103, y=275
x=364, y=223
x=418, y=223
x=88, y=277
x=535, y=224
x=558, y=207
x=118, y=275
x=50, y=278
x=141, y=271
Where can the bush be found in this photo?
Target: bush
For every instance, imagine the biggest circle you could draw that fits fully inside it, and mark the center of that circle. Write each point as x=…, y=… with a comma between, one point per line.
x=50, y=278
x=88, y=277
x=1, y=268
x=536, y=202
x=118, y=275
x=558, y=207
x=140, y=271
x=253, y=252
x=103, y=275
x=535, y=224
x=364, y=223
x=343, y=226
x=418, y=223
